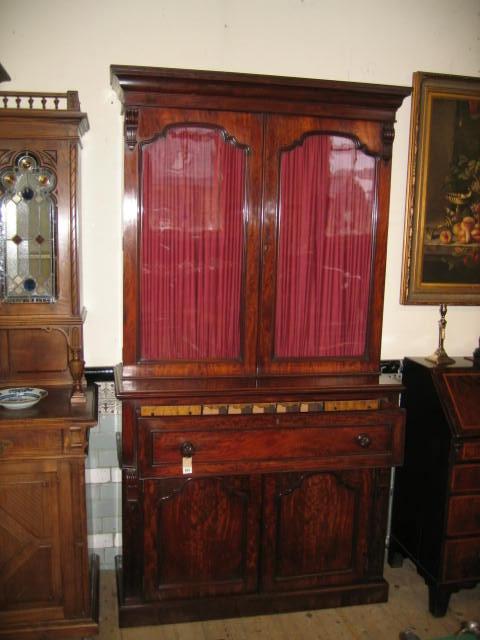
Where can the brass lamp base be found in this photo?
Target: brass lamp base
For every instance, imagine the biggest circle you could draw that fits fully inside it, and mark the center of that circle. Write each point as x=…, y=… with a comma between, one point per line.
x=440, y=357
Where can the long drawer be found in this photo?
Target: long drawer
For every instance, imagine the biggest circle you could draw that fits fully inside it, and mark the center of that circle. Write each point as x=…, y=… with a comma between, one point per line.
x=466, y=477
x=263, y=443
x=24, y=442
x=462, y=559
x=464, y=515
x=469, y=451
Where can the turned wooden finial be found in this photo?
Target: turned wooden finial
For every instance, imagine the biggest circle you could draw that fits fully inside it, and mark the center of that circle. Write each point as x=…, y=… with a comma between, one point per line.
x=76, y=366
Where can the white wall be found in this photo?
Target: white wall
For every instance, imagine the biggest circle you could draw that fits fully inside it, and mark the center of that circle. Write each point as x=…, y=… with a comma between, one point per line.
x=57, y=45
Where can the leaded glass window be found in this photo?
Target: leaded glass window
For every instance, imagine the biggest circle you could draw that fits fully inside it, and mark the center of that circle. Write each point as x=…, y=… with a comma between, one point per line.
x=27, y=232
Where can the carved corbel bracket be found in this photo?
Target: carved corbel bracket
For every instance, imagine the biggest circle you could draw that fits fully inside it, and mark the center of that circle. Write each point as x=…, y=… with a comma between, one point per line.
x=388, y=136
x=131, y=127
x=131, y=484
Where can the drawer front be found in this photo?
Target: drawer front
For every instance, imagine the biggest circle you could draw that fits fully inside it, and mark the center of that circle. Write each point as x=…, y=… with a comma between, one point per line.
x=464, y=515
x=251, y=444
x=469, y=451
x=462, y=559
x=466, y=478
x=22, y=442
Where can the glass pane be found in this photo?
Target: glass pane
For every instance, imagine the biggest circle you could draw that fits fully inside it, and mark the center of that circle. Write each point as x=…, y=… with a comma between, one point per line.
x=326, y=214
x=27, y=232
x=192, y=247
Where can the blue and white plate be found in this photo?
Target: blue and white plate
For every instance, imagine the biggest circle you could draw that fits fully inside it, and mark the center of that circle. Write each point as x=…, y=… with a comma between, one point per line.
x=21, y=397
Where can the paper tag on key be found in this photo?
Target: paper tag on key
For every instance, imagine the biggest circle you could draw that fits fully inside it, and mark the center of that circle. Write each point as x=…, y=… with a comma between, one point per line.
x=187, y=465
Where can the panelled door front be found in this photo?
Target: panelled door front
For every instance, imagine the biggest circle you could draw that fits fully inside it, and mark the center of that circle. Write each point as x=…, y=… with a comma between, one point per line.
x=30, y=542
x=201, y=536
x=316, y=529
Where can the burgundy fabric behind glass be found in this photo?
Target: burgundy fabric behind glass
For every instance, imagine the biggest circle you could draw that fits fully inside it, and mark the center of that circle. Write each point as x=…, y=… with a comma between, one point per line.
x=327, y=199
x=192, y=246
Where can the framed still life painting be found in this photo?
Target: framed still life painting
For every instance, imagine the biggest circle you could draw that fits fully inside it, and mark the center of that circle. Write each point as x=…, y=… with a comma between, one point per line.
x=441, y=259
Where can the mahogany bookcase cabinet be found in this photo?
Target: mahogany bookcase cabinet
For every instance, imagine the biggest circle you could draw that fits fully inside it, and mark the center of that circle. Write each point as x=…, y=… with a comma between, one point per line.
x=258, y=436
x=436, y=506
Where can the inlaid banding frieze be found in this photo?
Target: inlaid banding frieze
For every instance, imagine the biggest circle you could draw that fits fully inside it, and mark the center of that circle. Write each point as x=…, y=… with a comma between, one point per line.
x=262, y=407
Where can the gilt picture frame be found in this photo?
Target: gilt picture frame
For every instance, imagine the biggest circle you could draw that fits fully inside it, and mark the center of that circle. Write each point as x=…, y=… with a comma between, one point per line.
x=441, y=257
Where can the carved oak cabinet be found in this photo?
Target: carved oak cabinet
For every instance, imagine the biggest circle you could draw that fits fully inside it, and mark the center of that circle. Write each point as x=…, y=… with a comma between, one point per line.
x=47, y=589
x=258, y=436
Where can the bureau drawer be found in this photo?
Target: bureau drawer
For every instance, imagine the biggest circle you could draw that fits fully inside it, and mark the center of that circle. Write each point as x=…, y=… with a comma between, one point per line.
x=24, y=442
x=463, y=515
x=466, y=478
x=462, y=559
x=251, y=444
x=469, y=451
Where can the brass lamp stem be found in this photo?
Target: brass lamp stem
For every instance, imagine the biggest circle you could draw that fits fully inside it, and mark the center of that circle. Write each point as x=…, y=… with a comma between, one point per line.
x=440, y=356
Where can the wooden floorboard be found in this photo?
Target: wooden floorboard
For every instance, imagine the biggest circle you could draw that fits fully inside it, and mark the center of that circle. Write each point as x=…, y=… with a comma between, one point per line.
x=407, y=608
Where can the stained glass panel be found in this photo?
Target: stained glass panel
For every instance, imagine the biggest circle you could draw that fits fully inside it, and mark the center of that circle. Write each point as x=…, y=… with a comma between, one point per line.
x=27, y=232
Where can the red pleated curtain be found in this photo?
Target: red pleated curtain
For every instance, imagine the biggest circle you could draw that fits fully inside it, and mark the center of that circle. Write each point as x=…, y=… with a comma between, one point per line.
x=326, y=216
x=192, y=248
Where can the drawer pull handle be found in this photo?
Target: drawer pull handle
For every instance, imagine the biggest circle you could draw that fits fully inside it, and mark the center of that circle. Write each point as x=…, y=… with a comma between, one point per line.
x=187, y=449
x=363, y=440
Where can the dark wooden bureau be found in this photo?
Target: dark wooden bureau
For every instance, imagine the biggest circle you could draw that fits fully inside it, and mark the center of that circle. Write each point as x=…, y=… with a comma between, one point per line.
x=436, y=506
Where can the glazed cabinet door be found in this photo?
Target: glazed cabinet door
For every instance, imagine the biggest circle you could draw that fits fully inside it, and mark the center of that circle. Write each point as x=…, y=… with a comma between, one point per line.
x=323, y=232
x=201, y=536
x=317, y=529
x=192, y=252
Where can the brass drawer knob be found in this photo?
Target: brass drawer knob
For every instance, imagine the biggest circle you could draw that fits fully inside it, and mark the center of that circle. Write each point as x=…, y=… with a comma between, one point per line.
x=187, y=449
x=363, y=440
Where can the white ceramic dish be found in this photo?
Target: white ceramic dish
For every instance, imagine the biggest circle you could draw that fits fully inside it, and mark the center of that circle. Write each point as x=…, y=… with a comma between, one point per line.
x=21, y=397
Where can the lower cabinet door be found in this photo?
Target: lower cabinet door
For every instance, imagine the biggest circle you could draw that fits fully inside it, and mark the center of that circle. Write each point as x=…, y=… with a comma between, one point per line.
x=30, y=542
x=201, y=536
x=316, y=529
